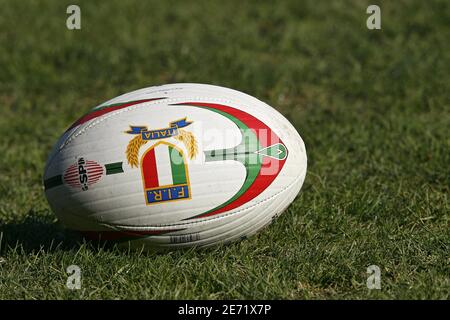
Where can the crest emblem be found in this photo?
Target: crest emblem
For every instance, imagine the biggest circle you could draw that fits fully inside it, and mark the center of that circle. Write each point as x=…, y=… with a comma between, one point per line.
x=163, y=166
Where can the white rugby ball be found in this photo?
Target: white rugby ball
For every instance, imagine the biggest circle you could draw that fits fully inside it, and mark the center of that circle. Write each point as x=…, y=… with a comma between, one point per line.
x=174, y=166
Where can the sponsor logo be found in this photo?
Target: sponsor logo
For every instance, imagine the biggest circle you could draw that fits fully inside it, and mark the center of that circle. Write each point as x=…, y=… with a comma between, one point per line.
x=83, y=174
x=164, y=168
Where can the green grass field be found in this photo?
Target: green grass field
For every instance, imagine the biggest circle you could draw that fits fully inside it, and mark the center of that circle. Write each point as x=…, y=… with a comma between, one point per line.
x=371, y=105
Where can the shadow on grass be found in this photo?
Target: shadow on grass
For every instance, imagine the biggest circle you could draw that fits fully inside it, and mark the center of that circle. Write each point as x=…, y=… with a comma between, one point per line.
x=37, y=233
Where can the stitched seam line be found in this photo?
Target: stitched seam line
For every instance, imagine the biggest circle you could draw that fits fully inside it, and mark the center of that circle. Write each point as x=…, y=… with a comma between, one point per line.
x=132, y=108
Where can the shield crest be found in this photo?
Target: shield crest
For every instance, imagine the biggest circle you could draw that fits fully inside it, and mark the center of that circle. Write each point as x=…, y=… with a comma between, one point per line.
x=165, y=174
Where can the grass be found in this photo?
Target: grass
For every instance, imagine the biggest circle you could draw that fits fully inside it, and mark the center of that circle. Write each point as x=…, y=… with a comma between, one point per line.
x=372, y=107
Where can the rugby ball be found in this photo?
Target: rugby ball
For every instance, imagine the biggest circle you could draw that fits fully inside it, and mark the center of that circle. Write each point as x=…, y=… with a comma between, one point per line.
x=174, y=166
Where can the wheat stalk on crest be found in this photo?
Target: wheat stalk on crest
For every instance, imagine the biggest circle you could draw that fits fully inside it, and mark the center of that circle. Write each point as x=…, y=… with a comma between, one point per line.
x=189, y=141
x=133, y=150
